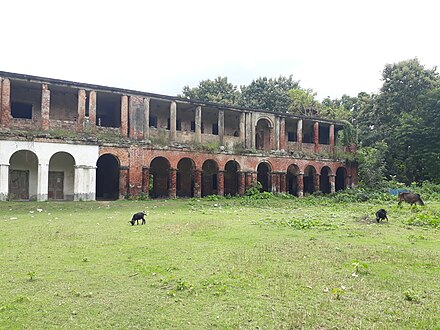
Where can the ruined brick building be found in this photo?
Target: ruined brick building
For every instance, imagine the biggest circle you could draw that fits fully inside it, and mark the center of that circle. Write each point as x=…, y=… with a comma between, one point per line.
x=64, y=140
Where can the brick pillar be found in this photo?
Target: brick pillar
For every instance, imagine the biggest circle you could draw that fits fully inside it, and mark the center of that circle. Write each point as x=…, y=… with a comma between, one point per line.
x=241, y=182
x=221, y=126
x=146, y=118
x=123, y=181
x=135, y=173
x=273, y=180
x=283, y=182
x=221, y=183
x=172, y=189
x=45, y=107
x=92, y=111
x=283, y=134
x=6, y=103
x=331, y=178
x=248, y=177
x=124, y=115
x=300, y=179
x=81, y=110
x=198, y=124
x=136, y=116
x=316, y=135
x=299, y=133
x=173, y=117
x=197, y=183
x=316, y=180
x=332, y=138
x=242, y=129
x=146, y=180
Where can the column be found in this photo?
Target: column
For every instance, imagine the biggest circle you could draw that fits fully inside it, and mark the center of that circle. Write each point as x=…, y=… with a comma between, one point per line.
x=146, y=180
x=221, y=126
x=300, y=179
x=283, y=134
x=316, y=180
x=124, y=115
x=85, y=183
x=4, y=181
x=6, y=103
x=283, y=182
x=123, y=181
x=241, y=183
x=172, y=189
x=221, y=183
x=197, y=182
x=173, y=116
x=331, y=178
x=45, y=107
x=198, y=124
x=316, y=135
x=332, y=138
x=242, y=129
x=136, y=116
x=43, y=182
x=299, y=133
x=81, y=111
x=275, y=182
x=92, y=111
x=276, y=144
x=146, y=118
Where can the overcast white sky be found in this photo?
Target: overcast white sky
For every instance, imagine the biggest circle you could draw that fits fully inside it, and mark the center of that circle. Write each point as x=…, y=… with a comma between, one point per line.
x=334, y=47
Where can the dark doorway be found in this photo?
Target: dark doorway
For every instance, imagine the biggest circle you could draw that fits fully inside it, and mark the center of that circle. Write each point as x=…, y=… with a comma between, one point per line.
x=19, y=185
x=341, y=178
x=309, y=180
x=292, y=179
x=209, y=178
x=231, y=178
x=263, y=176
x=107, y=178
x=324, y=180
x=159, y=177
x=185, y=178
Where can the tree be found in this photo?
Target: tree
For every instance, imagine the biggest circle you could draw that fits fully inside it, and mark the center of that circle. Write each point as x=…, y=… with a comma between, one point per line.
x=302, y=102
x=268, y=94
x=218, y=90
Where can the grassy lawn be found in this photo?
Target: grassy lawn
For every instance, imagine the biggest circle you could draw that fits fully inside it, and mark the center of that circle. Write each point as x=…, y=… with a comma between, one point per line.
x=218, y=264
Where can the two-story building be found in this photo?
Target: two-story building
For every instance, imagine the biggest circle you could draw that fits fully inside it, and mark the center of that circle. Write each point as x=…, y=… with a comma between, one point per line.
x=65, y=140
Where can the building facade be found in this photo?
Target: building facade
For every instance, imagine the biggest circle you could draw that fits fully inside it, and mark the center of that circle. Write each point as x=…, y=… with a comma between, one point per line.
x=62, y=140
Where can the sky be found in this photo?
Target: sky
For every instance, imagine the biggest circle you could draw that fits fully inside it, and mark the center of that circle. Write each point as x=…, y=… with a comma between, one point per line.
x=333, y=47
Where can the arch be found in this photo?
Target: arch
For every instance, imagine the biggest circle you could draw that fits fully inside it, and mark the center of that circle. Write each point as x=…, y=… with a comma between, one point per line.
x=263, y=134
x=23, y=175
x=231, y=177
x=209, y=177
x=264, y=176
x=107, y=177
x=324, y=180
x=292, y=179
x=341, y=179
x=61, y=176
x=309, y=179
x=159, y=177
x=185, y=178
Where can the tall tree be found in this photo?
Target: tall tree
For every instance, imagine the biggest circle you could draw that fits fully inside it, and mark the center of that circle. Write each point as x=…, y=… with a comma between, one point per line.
x=268, y=94
x=218, y=90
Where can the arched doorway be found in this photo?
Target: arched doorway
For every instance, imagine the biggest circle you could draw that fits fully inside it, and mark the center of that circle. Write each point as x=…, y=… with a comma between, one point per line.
x=231, y=178
x=159, y=177
x=107, y=177
x=185, y=178
x=61, y=176
x=23, y=176
x=341, y=178
x=263, y=176
x=263, y=135
x=292, y=179
x=324, y=180
x=209, y=178
x=309, y=179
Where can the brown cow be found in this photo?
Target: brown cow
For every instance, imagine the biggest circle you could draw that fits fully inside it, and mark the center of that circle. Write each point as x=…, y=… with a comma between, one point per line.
x=410, y=198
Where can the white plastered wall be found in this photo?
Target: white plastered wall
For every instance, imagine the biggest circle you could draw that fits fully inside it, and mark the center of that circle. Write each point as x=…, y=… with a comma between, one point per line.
x=85, y=158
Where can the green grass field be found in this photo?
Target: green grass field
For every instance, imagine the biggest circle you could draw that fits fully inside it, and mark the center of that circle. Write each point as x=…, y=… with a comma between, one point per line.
x=219, y=264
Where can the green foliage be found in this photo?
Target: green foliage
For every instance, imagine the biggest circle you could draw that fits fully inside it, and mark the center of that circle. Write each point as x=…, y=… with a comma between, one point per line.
x=218, y=90
x=372, y=165
x=359, y=268
x=31, y=275
x=303, y=102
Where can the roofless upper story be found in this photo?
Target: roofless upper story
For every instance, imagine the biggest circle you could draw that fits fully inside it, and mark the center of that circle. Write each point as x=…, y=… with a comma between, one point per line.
x=55, y=107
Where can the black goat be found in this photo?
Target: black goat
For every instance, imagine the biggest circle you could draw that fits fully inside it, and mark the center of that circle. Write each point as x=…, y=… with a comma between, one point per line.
x=381, y=215
x=138, y=216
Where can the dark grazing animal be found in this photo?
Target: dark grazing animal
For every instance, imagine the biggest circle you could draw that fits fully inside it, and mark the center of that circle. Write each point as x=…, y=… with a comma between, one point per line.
x=410, y=198
x=136, y=217
x=381, y=215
